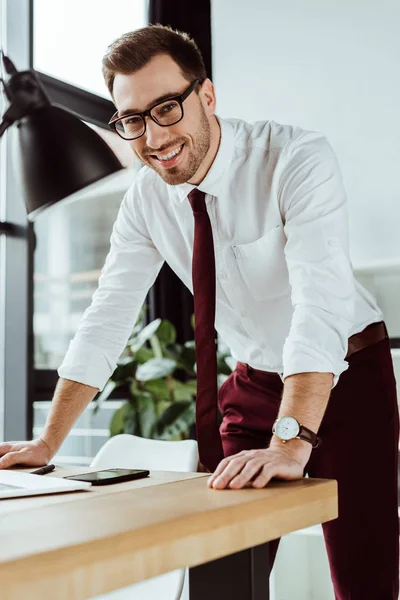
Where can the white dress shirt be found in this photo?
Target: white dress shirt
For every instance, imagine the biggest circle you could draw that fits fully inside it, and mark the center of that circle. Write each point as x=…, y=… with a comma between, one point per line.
x=286, y=298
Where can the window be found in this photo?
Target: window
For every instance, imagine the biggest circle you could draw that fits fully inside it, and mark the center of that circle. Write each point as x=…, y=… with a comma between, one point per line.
x=71, y=36
x=71, y=246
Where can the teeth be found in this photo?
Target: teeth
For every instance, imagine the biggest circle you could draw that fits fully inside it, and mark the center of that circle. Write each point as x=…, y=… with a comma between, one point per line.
x=169, y=155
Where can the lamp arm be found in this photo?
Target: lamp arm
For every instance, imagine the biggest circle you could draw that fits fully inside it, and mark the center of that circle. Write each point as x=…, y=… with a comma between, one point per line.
x=8, y=120
x=24, y=91
x=4, y=125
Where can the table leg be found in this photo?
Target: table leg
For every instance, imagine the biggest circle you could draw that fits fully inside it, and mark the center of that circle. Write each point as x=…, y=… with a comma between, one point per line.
x=240, y=576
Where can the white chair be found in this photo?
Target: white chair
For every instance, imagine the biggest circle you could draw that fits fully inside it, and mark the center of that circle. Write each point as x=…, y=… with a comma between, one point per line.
x=131, y=452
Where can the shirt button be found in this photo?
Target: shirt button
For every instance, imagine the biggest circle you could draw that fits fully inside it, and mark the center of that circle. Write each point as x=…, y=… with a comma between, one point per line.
x=333, y=242
x=243, y=313
x=223, y=275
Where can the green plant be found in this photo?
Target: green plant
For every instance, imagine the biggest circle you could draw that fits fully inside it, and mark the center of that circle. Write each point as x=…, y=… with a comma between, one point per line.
x=159, y=405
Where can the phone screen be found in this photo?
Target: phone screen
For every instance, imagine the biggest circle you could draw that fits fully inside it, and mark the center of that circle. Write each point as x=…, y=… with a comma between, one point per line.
x=110, y=476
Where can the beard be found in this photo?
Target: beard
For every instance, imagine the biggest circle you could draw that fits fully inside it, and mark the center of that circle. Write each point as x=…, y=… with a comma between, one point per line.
x=195, y=156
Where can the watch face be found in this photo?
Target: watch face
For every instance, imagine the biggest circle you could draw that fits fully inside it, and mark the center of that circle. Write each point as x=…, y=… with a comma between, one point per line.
x=287, y=428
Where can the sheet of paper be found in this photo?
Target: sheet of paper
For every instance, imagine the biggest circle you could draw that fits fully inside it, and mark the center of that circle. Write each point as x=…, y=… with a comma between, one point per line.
x=14, y=484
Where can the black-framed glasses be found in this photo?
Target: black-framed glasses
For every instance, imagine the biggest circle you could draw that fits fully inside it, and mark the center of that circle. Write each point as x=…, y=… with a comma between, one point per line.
x=166, y=113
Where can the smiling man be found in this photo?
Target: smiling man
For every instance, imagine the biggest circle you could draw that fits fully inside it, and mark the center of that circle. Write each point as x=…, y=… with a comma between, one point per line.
x=176, y=152
x=313, y=391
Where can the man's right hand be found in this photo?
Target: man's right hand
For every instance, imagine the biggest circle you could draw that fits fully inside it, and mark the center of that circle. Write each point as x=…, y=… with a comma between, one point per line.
x=30, y=454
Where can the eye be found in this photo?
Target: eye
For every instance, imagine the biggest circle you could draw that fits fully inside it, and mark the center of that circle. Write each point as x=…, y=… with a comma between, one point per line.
x=166, y=108
x=132, y=120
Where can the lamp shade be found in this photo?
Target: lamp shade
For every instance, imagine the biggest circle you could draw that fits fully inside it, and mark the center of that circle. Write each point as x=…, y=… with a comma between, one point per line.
x=55, y=155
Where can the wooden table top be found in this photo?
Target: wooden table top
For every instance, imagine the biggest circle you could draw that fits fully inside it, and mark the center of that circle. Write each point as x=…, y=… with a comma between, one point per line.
x=92, y=542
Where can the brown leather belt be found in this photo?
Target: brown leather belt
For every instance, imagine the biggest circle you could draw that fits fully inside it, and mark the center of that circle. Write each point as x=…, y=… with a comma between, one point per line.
x=372, y=334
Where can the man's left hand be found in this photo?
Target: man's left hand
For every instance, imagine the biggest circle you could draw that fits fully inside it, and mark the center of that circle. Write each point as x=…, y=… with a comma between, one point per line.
x=258, y=467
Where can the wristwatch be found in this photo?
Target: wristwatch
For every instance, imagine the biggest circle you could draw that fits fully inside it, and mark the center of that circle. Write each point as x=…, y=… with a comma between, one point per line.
x=288, y=428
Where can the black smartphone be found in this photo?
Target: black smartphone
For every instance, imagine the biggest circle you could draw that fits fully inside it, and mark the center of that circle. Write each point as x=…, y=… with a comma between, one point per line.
x=108, y=476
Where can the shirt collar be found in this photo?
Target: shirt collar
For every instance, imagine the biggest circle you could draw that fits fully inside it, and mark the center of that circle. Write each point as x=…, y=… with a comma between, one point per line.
x=212, y=182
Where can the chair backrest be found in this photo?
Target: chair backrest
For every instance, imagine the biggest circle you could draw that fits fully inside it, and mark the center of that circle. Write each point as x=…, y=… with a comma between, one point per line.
x=127, y=451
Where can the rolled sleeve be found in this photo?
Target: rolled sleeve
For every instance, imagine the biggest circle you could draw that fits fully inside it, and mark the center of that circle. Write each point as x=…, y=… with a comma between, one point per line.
x=130, y=269
x=313, y=204
x=76, y=366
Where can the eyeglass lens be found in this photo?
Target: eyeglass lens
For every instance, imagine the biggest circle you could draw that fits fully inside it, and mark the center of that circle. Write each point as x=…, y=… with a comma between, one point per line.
x=166, y=113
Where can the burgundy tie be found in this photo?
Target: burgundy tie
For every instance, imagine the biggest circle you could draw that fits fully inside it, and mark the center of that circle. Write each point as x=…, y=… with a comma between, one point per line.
x=203, y=273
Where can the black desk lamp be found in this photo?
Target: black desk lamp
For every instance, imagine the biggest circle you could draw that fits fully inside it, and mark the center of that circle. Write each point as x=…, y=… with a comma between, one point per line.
x=56, y=154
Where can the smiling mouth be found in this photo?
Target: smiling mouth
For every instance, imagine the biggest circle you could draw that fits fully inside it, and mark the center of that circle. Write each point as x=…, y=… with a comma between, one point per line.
x=168, y=158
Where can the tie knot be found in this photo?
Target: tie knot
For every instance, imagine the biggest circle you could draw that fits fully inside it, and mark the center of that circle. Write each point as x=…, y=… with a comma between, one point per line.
x=197, y=200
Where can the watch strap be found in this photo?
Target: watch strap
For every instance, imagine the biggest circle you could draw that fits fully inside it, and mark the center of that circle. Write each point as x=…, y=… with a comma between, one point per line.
x=309, y=436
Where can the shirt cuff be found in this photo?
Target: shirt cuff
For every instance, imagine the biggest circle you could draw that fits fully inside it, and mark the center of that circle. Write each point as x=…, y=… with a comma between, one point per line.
x=306, y=362
x=85, y=363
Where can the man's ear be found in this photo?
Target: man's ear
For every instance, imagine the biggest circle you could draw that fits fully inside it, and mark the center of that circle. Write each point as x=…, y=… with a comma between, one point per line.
x=207, y=96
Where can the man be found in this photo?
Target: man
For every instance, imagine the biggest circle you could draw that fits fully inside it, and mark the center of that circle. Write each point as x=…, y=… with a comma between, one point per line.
x=303, y=330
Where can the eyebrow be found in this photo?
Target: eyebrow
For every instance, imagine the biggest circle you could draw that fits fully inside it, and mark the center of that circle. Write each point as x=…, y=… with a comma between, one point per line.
x=130, y=111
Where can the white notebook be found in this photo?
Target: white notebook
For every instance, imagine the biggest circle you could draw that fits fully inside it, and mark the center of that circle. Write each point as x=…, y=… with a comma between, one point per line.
x=14, y=484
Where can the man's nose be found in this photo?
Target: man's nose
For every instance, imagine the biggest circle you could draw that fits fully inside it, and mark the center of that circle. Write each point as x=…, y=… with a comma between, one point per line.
x=156, y=136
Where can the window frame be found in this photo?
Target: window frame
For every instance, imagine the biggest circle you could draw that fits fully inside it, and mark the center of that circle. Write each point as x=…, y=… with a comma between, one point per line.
x=93, y=109
x=16, y=250
x=20, y=383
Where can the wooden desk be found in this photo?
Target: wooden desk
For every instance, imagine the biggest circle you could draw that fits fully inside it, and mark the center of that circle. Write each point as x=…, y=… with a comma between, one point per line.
x=77, y=545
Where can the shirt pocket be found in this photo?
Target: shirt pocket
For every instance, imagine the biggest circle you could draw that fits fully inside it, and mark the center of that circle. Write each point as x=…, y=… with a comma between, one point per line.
x=262, y=265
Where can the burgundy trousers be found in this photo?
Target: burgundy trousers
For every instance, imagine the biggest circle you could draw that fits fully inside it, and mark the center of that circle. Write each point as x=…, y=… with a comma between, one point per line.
x=360, y=433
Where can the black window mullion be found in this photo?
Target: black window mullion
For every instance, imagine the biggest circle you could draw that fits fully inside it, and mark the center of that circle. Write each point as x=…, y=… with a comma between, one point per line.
x=15, y=316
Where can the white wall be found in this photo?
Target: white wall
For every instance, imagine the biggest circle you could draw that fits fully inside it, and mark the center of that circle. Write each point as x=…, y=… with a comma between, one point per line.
x=327, y=65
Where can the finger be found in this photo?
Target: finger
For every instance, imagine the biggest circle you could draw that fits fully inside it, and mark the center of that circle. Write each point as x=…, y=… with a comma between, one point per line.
x=252, y=468
x=222, y=465
x=267, y=473
x=231, y=470
x=220, y=468
x=11, y=458
x=5, y=447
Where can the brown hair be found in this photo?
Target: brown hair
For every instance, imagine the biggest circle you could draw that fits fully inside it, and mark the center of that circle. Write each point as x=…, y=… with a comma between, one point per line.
x=133, y=50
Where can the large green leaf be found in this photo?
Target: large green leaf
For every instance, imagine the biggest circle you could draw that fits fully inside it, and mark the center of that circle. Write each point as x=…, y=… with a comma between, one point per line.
x=137, y=328
x=166, y=333
x=176, y=420
x=159, y=389
x=144, y=335
x=146, y=406
x=123, y=417
x=140, y=322
x=125, y=370
x=134, y=388
x=155, y=368
x=174, y=352
x=184, y=391
x=144, y=354
x=185, y=356
x=161, y=406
